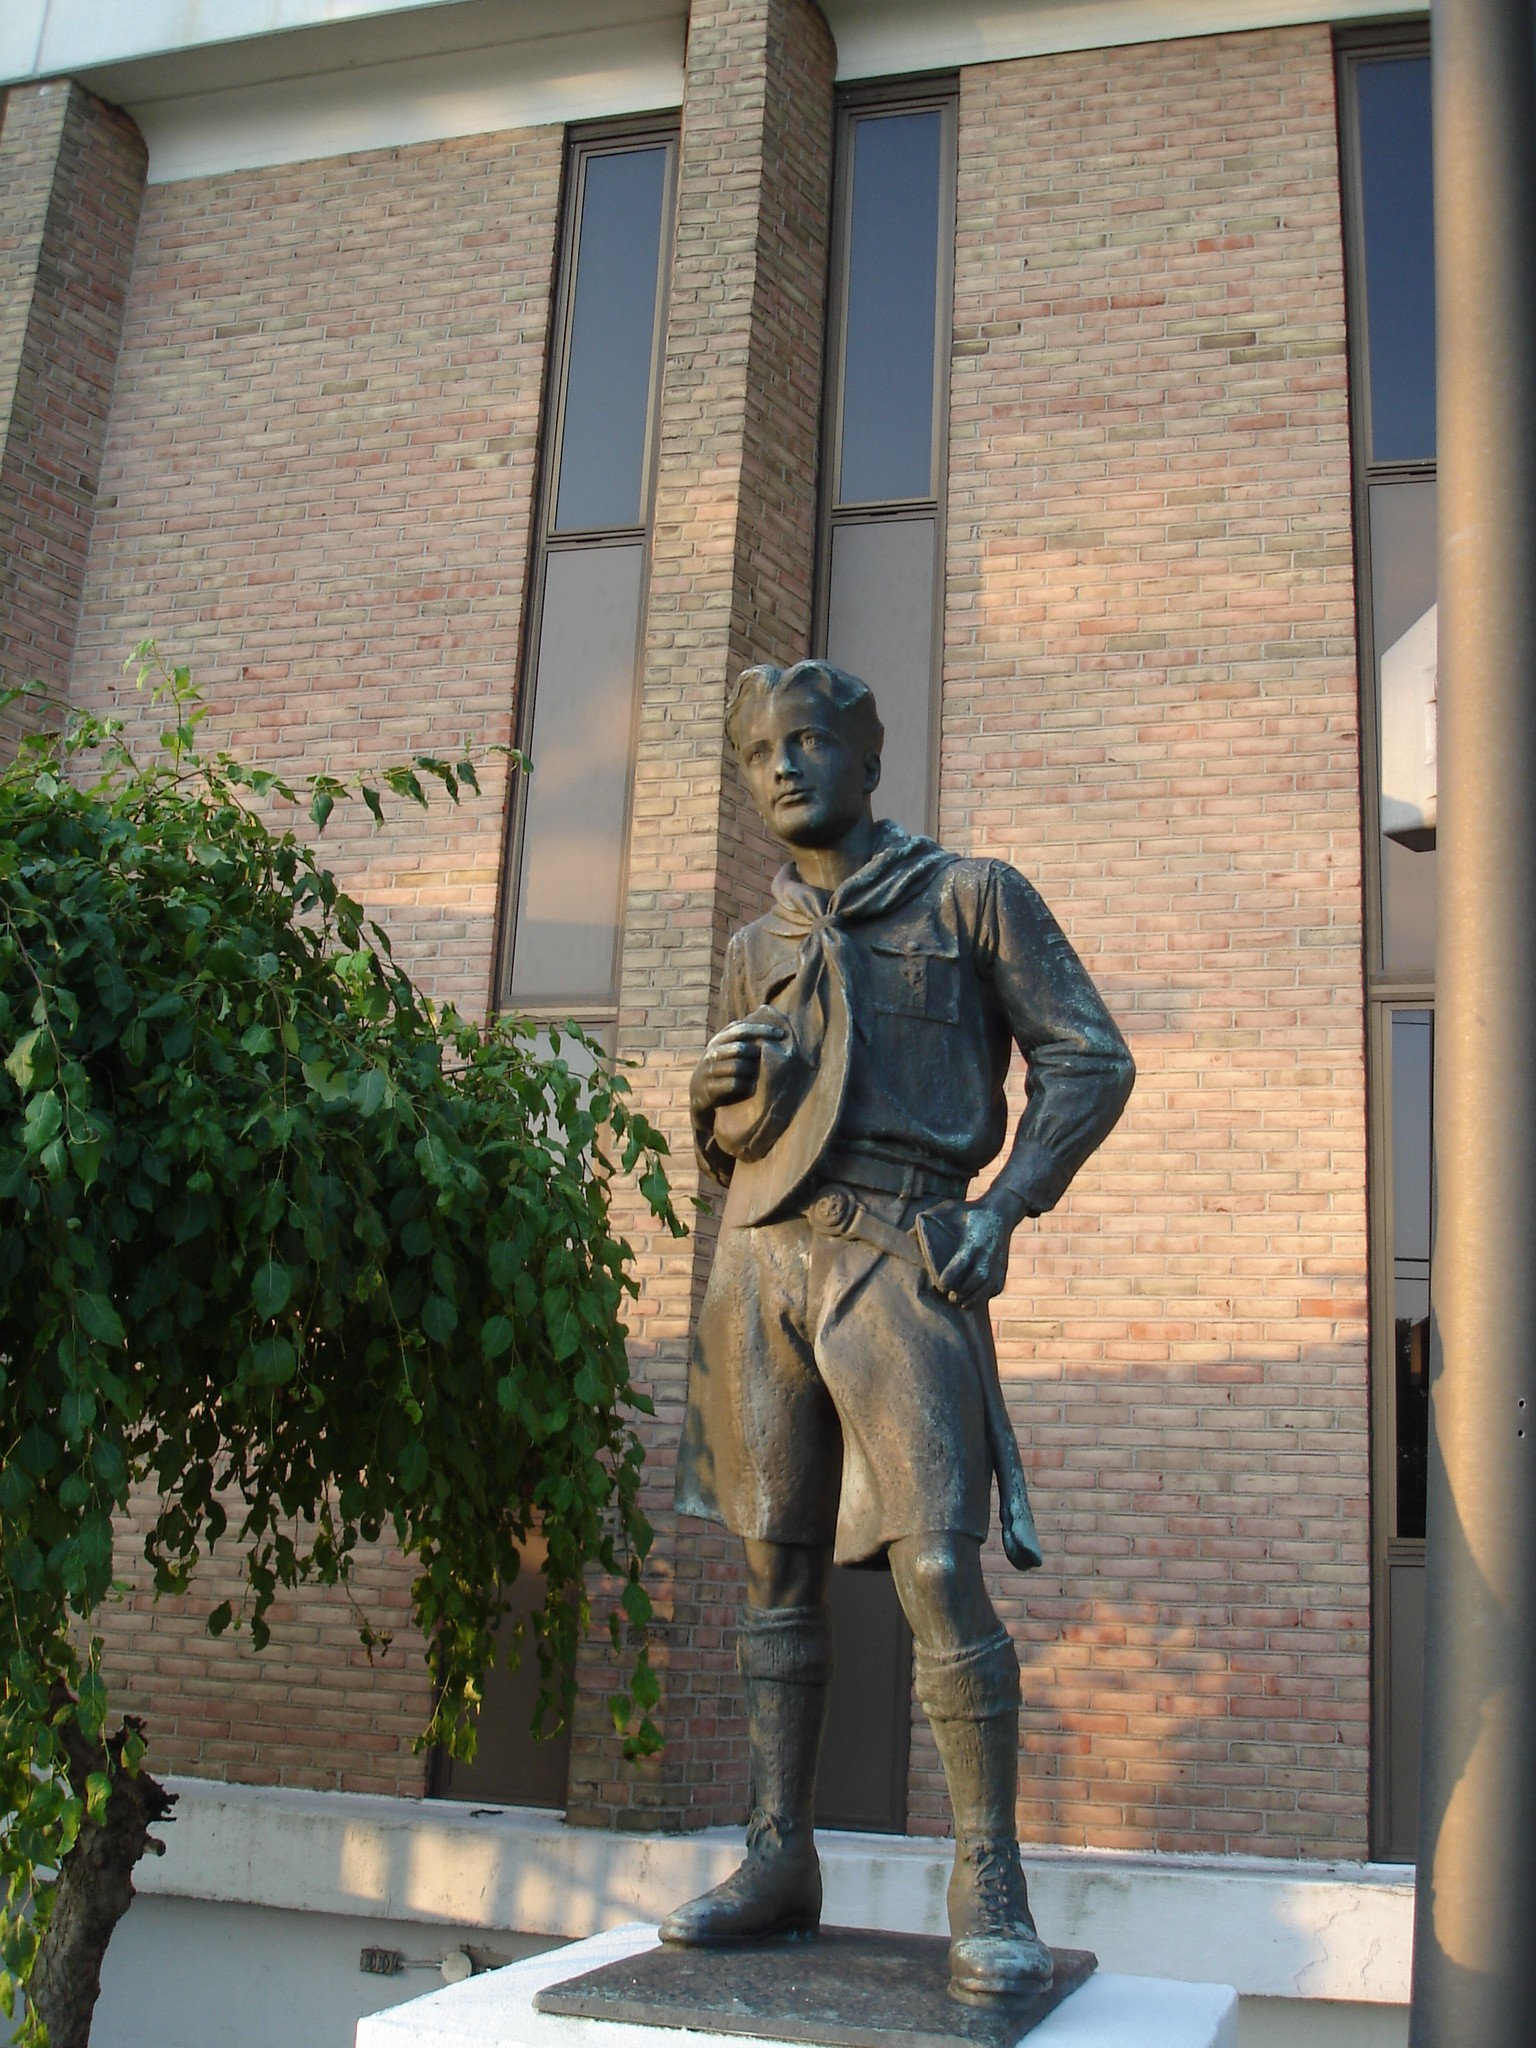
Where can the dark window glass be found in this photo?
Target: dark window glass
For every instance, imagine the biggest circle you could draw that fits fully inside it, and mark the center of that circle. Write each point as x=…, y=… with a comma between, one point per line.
x=1402, y=529
x=1405, y=1596
x=613, y=320
x=893, y=268
x=862, y=1779
x=575, y=812
x=1412, y=1231
x=512, y=1767
x=1397, y=204
x=880, y=626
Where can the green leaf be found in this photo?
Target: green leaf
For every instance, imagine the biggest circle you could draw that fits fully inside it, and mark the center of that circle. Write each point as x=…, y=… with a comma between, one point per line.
x=91, y=1705
x=370, y=1090
x=412, y=1470
x=563, y=1325
x=644, y=1685
x=496, y=1337
x=439, y=1318
x=77, y=1411
x=257, y=1040
x=44, y=1119
x=85, y=1156
x=271, y=1289
x=99, y=1319
x=98, y=1790
x=587, y=1386
x=273, y=1362
x=30, y=1062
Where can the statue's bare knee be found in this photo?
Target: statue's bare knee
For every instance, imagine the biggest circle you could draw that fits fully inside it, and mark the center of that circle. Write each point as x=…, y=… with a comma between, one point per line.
x=786, y=1574
x=942, y=1590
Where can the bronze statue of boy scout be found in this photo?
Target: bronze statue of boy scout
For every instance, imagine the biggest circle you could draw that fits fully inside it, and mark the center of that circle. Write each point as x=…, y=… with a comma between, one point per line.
x=843, y=1399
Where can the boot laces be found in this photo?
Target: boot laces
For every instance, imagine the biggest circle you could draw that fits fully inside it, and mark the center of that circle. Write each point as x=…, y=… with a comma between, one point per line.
x=998, y=1884
x=766, y=1832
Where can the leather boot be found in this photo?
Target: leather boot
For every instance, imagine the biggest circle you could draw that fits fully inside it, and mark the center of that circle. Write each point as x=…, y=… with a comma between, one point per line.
x=971, y=1697
x=784, y=1655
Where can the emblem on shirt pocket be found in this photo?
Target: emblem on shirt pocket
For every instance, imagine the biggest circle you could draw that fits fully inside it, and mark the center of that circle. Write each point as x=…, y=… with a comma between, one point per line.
x=916, y=978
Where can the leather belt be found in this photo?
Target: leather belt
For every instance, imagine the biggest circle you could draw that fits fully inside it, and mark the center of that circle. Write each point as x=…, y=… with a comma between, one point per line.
x=891, y=1176
x=837, y=1212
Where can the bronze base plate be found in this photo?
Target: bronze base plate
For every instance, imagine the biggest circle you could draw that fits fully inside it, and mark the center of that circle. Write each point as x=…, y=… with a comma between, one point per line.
x=848, y=1987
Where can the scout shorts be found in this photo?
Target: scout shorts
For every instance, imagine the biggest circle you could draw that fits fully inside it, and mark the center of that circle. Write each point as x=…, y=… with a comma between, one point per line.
x=833, y=1396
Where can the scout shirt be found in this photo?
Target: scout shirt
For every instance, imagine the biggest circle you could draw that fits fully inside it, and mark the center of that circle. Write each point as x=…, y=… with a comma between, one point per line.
x=944, y=964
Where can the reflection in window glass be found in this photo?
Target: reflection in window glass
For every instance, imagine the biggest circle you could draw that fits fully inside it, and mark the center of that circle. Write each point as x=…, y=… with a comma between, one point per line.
x=1397, y=204
x=1402, y=528
x=892, y=275
x=569, y=827
x=613, y=321
x=880, y=626
x=890, y=283
x=1412, y=1234
x=568, y=911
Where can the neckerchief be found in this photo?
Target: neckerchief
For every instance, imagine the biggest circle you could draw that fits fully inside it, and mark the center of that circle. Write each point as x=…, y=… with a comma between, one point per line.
x=901, y=864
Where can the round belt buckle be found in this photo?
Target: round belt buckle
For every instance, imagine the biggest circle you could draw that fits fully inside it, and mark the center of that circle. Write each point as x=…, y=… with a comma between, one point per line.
x=833, y=1210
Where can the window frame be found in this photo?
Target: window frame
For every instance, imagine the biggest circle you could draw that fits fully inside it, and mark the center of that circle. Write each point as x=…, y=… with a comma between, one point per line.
x=1386, y=991
x=938, y=92
x=584, y=141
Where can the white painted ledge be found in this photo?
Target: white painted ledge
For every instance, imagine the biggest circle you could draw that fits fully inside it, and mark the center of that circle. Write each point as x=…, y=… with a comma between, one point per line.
x=496, y=2011
x=1273, y=1929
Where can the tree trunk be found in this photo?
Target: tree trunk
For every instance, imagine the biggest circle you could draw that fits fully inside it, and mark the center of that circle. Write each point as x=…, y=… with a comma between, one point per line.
x=95, y=1888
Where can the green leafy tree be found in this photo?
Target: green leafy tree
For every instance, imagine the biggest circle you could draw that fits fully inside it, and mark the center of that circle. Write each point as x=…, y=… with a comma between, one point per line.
x=312, y=1259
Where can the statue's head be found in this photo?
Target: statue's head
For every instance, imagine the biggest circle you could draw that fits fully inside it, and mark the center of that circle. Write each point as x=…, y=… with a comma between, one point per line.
x=808, y=739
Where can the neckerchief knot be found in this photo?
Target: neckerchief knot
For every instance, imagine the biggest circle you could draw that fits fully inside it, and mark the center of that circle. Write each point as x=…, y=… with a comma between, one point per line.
x=902, y=863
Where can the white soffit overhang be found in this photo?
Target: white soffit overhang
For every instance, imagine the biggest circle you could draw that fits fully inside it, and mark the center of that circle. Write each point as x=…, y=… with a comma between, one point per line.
x=220, y=85
x=876, y=38
x=318, y=78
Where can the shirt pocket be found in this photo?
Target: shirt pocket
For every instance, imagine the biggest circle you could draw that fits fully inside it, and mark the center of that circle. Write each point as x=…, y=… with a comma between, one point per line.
x=916, y=977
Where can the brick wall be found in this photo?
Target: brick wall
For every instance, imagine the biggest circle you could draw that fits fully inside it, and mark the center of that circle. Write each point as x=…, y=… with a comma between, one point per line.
x=1150, y=705
x=317, y=491
x=71, y=179
x=313, y=1709
x=318, y=484
x=731, y=576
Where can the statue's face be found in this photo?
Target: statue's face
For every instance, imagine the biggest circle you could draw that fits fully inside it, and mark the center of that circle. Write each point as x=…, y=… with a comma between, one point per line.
x=808, y=781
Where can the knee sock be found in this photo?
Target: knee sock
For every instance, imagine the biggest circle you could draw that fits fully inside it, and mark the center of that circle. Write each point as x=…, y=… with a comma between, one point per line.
x=971, y=1698
x=784, y=1655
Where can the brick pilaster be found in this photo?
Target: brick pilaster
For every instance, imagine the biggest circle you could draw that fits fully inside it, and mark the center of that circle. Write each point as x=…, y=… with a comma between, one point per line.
x=731, y=580
x=71, y=184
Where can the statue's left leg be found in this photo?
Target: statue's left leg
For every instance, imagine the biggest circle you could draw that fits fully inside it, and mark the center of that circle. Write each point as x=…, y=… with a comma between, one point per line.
x=968, y=1681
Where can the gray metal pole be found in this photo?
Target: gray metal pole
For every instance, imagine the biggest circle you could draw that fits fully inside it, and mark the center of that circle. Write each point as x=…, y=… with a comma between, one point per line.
x=1475, y=1938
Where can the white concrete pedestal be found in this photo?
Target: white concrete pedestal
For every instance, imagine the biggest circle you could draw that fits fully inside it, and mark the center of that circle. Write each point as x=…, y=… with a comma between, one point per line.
x=496, y=2011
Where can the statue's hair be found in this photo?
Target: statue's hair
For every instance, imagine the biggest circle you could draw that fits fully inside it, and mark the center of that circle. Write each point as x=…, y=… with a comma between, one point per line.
x=852, y=700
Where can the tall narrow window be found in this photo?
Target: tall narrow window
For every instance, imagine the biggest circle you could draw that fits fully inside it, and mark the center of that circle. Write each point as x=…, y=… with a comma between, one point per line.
x=570, y=822
x=879, y=614
x=888, y=359
x=1385, y=130
x=570, y=828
